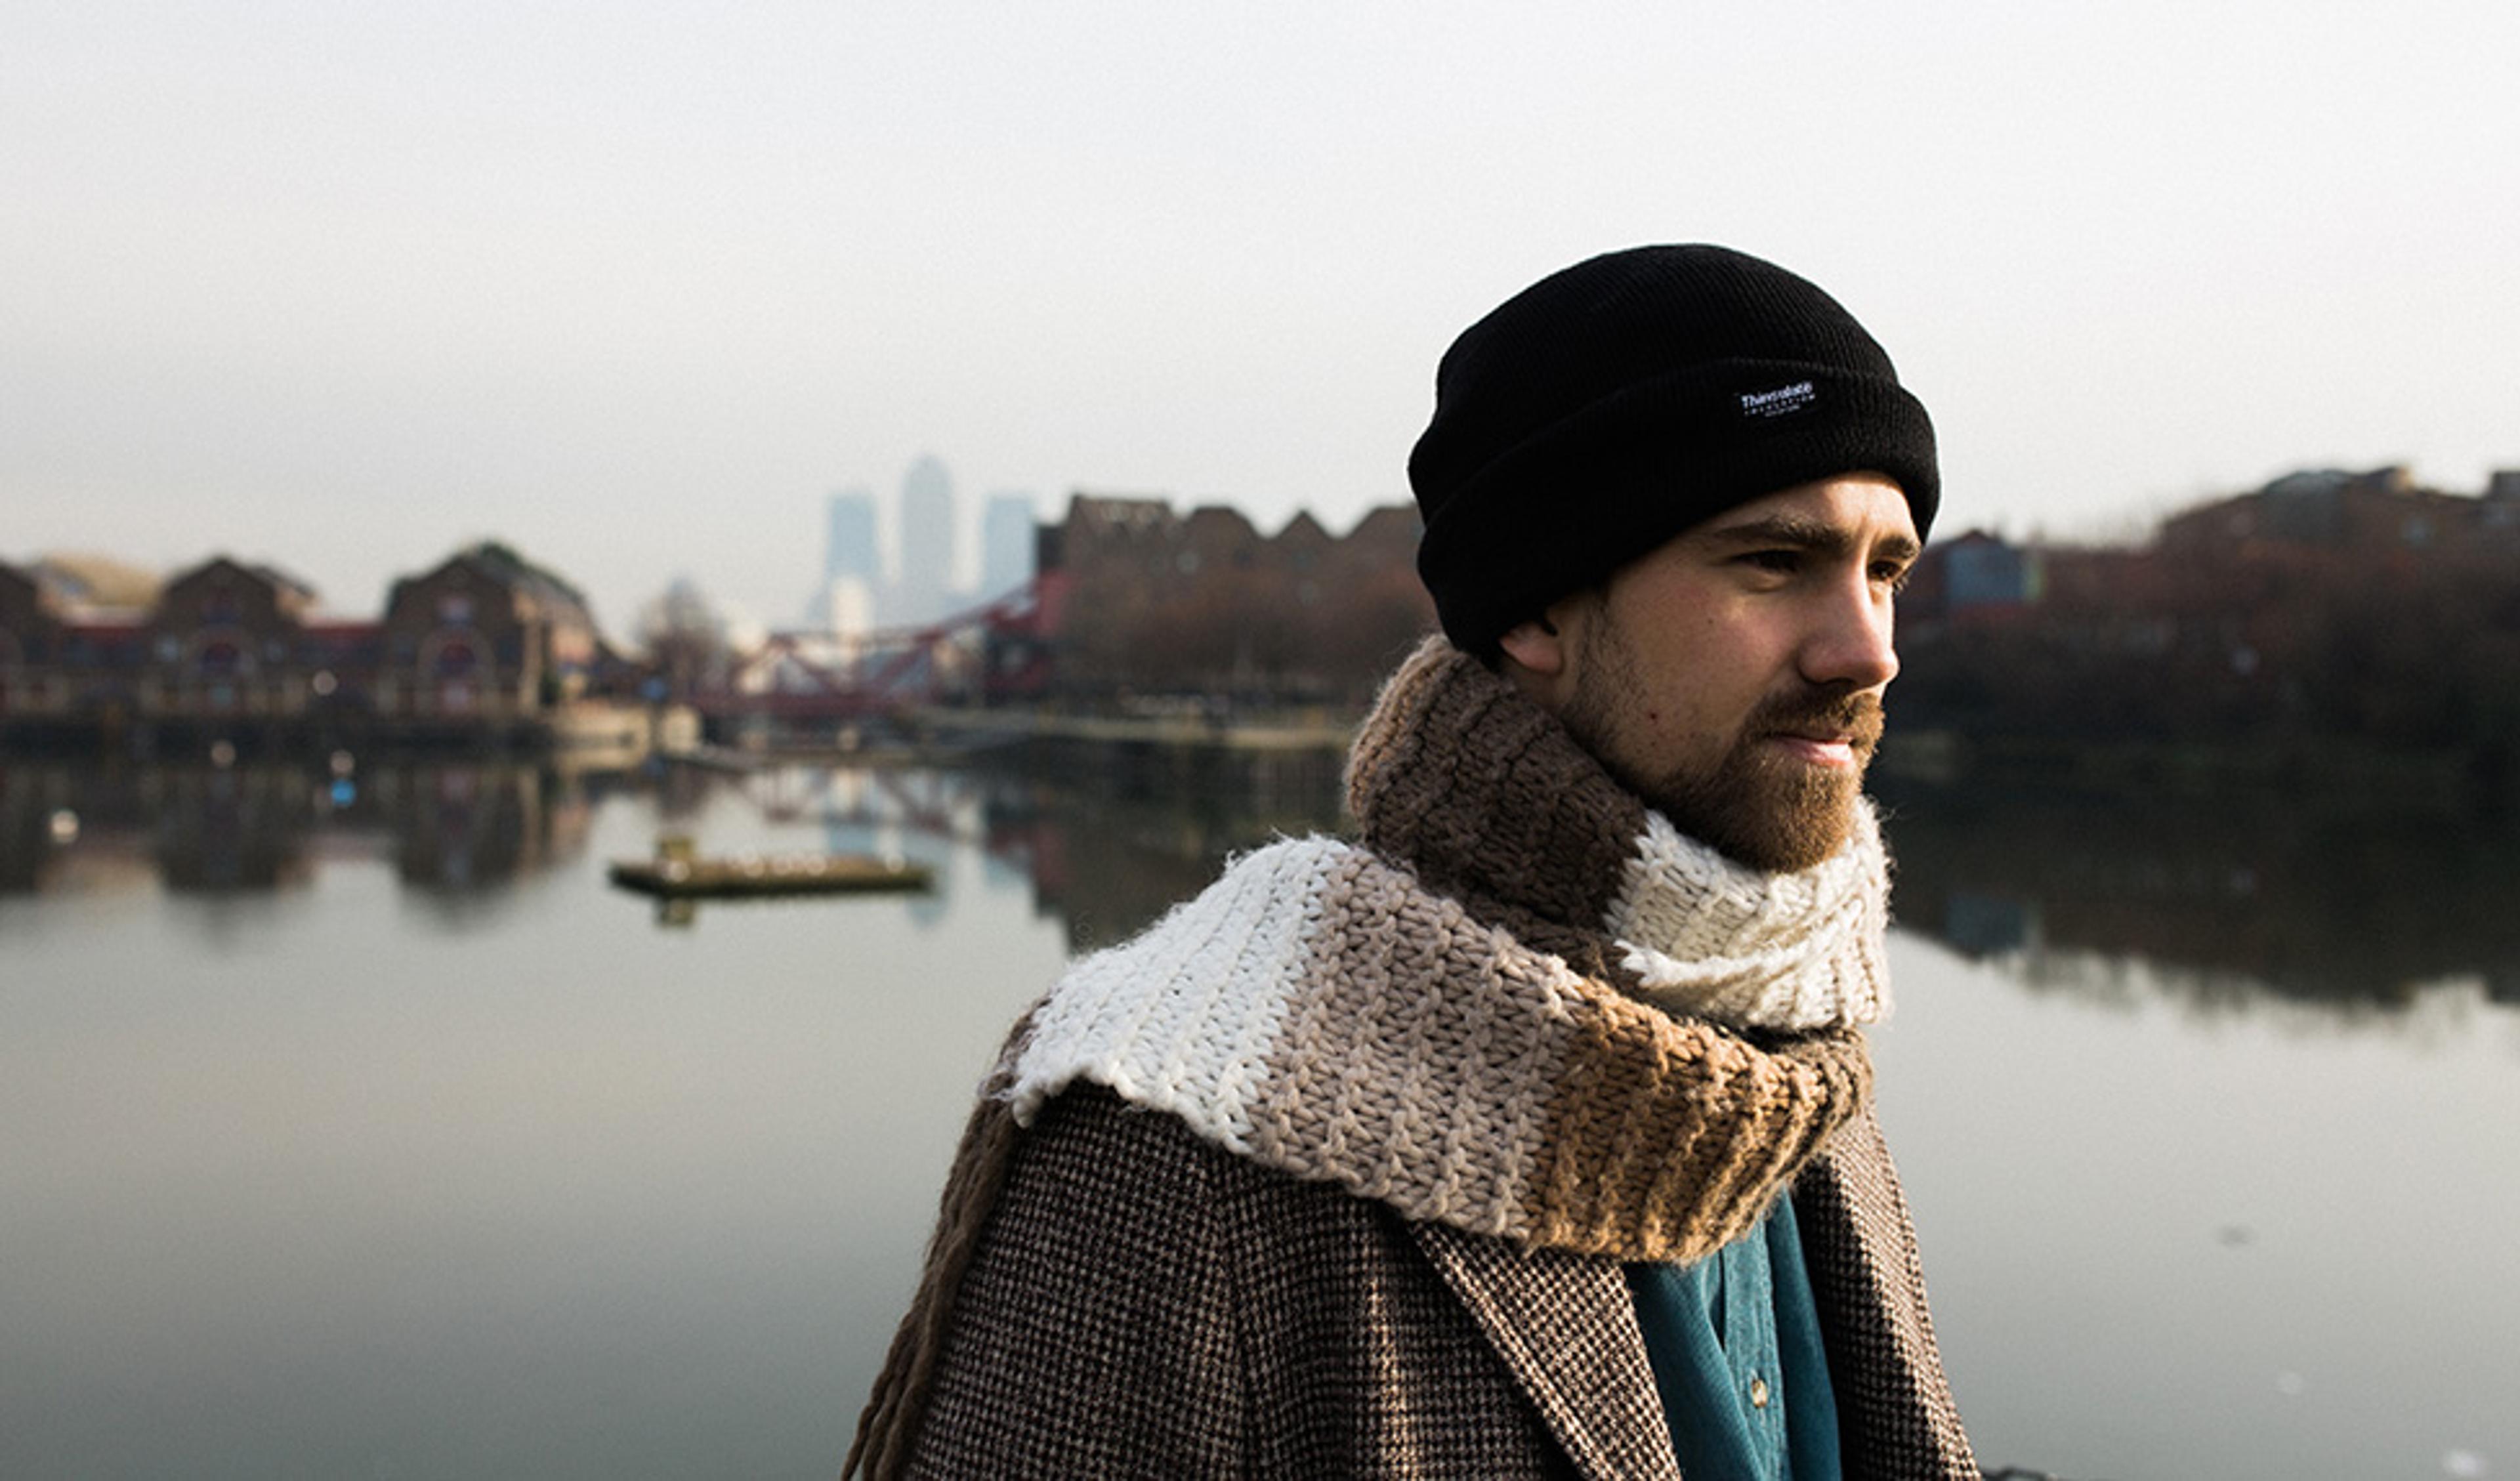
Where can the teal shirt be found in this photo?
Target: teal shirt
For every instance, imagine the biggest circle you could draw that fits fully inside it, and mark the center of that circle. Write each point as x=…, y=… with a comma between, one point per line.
x=1734, y=1342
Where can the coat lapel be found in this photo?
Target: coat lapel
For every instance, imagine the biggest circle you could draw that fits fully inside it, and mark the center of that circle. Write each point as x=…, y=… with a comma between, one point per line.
x=1567, y=1327
x=1894, y=1414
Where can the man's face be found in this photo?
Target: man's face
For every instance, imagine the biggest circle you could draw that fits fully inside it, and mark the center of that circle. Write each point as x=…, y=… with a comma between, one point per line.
x=1733, y=678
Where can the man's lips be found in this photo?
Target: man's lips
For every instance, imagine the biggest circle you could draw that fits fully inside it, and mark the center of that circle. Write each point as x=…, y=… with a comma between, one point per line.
x=1834, y=733
x=1819, y=751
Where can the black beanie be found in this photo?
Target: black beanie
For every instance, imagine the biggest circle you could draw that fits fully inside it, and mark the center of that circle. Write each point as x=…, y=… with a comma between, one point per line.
x=1607, y=407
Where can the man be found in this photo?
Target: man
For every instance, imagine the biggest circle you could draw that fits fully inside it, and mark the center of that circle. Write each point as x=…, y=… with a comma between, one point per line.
x=1530, y=1136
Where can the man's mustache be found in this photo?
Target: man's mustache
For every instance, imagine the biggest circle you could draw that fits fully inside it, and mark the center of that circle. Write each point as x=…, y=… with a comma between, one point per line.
x=1853, y=716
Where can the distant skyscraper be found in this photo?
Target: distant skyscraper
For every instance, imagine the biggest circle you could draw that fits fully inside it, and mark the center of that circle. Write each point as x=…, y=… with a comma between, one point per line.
x=1007, y=541
x=851, y=549
x=852, y=567
x=927, y=540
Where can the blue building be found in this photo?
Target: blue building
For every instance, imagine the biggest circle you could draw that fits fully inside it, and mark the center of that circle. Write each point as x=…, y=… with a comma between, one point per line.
x=927, y=544
x=850, y=548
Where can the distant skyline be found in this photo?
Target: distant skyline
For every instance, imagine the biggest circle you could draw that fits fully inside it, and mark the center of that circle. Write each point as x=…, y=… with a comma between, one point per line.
x=637, y=286
x=919, y=551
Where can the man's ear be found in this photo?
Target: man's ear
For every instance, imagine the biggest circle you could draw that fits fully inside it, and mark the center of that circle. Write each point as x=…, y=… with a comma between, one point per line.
x=1535, y=645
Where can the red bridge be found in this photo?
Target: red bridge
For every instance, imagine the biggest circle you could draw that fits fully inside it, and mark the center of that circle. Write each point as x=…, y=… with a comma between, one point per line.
x=995, y=652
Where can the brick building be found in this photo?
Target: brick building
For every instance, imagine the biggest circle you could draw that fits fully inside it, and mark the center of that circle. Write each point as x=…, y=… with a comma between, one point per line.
x=484, y=638
x=1136, y=598
x=32, y=684
x=2369, y=512
x=226, y=640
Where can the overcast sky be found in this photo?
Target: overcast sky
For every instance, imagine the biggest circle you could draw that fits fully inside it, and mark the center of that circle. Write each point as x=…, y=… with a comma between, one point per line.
x=636, y=285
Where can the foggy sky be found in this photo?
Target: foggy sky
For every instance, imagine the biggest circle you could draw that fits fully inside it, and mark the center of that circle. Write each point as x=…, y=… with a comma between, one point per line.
x=636, y=285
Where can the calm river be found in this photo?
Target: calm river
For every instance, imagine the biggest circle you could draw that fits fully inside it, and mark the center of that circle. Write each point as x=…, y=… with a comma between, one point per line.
x=366, y=1132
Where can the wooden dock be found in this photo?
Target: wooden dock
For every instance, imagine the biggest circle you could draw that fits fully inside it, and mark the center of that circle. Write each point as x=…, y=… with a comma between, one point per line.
x=675, y=874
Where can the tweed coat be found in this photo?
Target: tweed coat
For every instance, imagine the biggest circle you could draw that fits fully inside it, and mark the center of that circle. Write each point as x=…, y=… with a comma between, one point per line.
x=1143, y=1304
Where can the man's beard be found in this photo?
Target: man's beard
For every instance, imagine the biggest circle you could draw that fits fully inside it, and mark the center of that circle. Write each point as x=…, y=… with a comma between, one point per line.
x=1756, y=804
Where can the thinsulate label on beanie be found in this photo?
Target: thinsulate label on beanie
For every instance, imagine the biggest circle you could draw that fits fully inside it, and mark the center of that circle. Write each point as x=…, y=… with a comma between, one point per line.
x=1783, y=401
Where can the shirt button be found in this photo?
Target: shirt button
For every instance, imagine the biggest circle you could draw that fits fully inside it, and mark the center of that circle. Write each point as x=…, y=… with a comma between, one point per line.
x=1758, y=1393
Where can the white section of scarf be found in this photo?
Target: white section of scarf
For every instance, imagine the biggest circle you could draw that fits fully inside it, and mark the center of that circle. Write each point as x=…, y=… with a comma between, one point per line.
x=1182, y=1017
x=1712, y=939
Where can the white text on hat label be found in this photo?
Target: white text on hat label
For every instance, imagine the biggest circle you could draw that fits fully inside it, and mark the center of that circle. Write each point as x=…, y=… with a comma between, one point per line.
x=1785, y=400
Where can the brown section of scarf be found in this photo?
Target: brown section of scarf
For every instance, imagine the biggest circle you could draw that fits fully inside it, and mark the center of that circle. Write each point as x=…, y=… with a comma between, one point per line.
x=1488, y=798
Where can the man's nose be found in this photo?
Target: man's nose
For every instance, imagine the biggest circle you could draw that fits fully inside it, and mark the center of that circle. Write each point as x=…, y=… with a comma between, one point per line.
x=1850, y=640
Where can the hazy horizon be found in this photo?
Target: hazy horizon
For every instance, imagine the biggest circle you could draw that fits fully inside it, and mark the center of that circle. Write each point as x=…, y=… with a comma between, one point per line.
x=636, y=287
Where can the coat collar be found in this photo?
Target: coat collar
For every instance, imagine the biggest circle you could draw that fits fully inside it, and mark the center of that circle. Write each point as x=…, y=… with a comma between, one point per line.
x=1567, y=1327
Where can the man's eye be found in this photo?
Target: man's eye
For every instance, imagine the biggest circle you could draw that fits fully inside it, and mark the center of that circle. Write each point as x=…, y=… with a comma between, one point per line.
x=1892, y=576
x=1782, y=561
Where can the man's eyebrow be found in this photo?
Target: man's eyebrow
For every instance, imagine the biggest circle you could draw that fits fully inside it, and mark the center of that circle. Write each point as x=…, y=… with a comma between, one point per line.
x=1818, y=536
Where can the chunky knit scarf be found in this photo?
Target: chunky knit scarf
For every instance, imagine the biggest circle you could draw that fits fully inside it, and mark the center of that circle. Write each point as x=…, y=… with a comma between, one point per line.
x=1525, y=1006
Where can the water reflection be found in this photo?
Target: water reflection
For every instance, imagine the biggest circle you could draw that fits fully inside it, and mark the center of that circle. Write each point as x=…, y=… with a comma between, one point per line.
x=451, y=829
x=464, y=828
x=219, y=832
x=1106, y=863
x=2222, y=904
x=1102, y=860
x=1099, y=861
